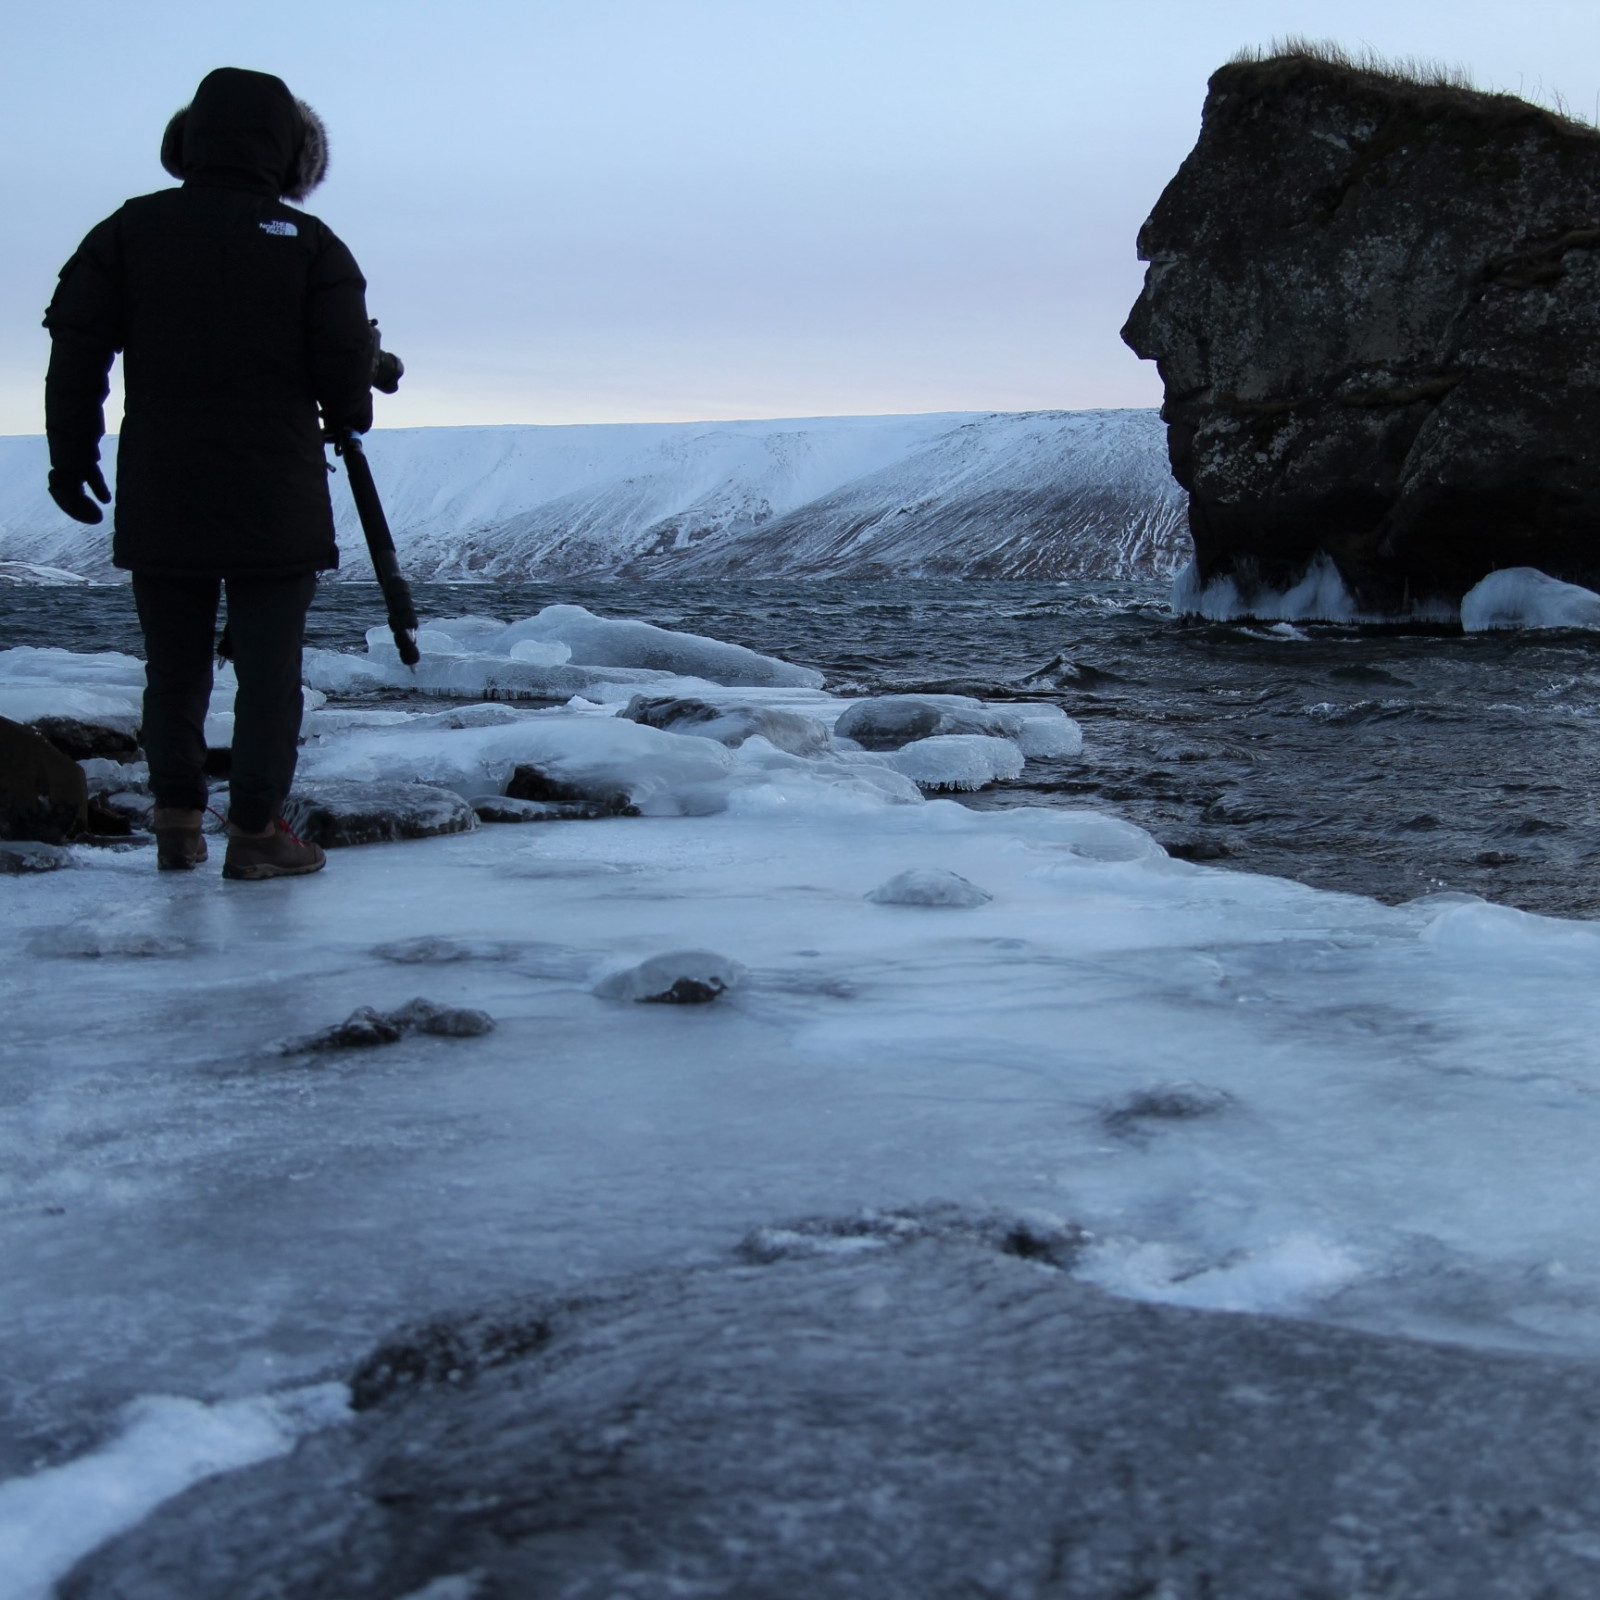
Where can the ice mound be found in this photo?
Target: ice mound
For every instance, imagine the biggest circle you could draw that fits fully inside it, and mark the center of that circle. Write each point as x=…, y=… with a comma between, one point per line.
x=660, y=773
x=929, y=886
x=561, y=652
x=890, y=722
x=681, y=978
x=1525, y=597
x=731, y=725
x=957, y=761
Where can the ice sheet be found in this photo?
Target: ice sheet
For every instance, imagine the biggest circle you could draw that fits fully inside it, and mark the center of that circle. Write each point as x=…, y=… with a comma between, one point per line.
x=1388, y=1114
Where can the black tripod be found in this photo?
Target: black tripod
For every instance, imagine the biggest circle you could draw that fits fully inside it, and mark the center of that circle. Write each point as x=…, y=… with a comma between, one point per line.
x=380, y=542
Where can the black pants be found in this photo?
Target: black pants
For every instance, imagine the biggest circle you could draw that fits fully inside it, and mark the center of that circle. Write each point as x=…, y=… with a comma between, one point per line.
x=267, y=624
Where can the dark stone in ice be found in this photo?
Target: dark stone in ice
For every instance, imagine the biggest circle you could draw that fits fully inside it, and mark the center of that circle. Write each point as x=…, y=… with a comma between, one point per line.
x=681, y=978
x=936, y=1420
x=1180, y=1101
x=587, y=799
x=365, y=1027
x=83, y=741
x=731, y=725
x=344, y=812
x=1196, y=847
x=43, y=793
x=19, y=856
x=506, y=808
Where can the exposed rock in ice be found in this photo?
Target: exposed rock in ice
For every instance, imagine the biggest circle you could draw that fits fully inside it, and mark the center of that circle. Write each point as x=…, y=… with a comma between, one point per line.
x=791, y=731
x=1180, y=1101
x=933, y=1421
x=582, y=795
x=366, y=1027
x=43, y=793
x=507, y=808
x=957, y=761
x=889, y=722
x=333, y=813
x=1031, y=1236
x=929, y=886
x=20, y=856
x=1524, y=597
x=681, y=977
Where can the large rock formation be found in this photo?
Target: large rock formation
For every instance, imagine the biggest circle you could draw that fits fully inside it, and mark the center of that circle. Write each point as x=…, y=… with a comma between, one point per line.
x=1375, y=305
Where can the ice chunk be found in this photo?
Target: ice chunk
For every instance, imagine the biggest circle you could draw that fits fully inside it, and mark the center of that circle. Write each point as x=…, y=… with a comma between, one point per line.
x=331, y=813
x=957, y=761
x=1047, y=731
x=683, y=977
x=929, y=886
x=589, y=754
x=609, y=642
x=731, y=725
x=1524, y=597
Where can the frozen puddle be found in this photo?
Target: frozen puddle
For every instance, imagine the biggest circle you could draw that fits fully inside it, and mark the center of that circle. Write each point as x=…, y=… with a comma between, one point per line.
x=1241, y=1094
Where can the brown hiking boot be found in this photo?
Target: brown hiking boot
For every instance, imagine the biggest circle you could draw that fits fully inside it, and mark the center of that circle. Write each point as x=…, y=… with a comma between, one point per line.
x=277, y=853
x=180, y=845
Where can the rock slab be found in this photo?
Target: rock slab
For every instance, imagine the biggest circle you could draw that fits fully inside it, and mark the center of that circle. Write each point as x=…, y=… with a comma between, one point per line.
x=43, y=793
x=341, y=812
x=1375, y=306
x=940, y=1417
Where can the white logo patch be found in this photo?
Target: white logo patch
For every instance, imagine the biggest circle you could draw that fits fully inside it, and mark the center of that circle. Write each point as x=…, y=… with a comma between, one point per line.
x=283, y=230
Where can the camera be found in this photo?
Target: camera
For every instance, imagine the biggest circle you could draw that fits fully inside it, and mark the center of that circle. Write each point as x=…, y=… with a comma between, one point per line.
x=387, y=367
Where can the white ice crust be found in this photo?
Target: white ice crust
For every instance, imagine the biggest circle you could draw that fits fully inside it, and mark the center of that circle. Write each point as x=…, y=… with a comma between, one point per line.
x=1391, y=1111
x=1524, y=597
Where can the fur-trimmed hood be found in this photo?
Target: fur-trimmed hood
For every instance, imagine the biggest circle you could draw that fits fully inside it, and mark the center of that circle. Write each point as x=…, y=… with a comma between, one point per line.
x=246, y=128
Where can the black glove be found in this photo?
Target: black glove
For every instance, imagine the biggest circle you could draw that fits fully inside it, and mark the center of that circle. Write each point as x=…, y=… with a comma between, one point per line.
x=66, y=489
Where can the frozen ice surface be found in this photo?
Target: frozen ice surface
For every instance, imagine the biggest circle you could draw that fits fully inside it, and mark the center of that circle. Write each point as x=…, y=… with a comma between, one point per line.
x=1389, y=1121
x=1524, y=597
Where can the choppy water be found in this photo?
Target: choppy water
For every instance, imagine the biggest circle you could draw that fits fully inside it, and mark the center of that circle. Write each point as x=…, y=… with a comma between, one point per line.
x=1380, y=761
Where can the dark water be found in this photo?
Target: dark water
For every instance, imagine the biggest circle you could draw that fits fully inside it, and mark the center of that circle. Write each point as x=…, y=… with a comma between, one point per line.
x=1384, y=762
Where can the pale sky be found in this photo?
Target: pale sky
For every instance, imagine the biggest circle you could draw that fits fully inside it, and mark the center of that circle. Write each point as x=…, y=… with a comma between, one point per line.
x=633, y=210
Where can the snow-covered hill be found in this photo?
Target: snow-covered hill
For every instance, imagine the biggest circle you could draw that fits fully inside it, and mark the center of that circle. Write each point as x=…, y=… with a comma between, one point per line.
x=1042, y=494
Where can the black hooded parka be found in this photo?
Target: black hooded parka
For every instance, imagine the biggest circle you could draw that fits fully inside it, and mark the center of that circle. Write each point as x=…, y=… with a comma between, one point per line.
x=237, y=317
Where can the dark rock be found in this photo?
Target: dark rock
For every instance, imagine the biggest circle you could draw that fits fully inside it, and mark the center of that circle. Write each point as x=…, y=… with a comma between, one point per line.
x=504, y=808
x=1375, y=304
x=43, y=794
x=936, y=1420
x=19, y=856
x=342, y=812
x=365, y=1027
x=590, y=799
x=680, y=978
x=1196, y=847
x=731, y=725
x=889, y=722
x=86, y=741
x=1180, y=1101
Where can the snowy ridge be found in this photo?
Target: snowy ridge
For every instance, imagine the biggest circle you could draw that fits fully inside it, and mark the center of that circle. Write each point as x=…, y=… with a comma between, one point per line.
x=1046, y=494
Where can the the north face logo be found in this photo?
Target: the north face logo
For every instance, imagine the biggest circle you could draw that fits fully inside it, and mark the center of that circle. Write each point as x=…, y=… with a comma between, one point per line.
x=284, y=230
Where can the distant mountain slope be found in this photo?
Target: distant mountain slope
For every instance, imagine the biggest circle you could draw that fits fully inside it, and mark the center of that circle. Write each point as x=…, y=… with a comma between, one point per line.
x=1043, y=494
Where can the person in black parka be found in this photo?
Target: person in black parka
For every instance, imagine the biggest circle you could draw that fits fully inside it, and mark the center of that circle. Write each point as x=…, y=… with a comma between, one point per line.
x=238, y=316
